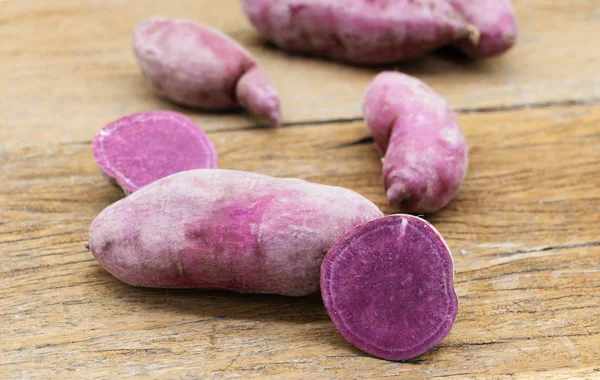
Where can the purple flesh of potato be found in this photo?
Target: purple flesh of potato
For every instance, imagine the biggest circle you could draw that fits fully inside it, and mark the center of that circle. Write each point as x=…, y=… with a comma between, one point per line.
x=387, y=285
x=137, y=150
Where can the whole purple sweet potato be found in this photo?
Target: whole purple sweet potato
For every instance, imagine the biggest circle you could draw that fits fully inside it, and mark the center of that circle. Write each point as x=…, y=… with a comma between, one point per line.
x=198, y=66
x=359, y=31
x=139, y=149
x=496, y=22
x=225, y=229
x=388, y=287
x=425, y=152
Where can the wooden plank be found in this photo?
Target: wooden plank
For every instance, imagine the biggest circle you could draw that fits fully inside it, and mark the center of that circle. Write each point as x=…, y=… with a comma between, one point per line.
x=523, y=231
x=68, y=68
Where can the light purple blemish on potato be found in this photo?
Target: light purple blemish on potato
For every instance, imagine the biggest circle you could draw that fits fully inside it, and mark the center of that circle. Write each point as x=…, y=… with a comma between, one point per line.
x=358, y=31
x=225, y=229
x=197, y=66
x=425, y=152
x=388, y=287
x=137, y=150
x=496, y=24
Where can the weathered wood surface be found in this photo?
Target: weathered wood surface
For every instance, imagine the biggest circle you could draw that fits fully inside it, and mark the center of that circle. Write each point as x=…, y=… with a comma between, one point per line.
x=524, y=233
x=68, y=67
x=524, y=229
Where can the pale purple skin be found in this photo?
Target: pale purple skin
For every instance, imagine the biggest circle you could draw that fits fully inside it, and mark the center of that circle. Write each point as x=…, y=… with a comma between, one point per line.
x=358, y=31
x=225, y=229
x=496, y=22
x=137, y=150
x=388, y=287
x=425, y=152
x=197, y=66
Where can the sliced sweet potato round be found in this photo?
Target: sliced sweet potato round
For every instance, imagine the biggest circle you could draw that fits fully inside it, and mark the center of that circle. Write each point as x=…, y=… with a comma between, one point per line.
x=139, y=149
x=387, y=285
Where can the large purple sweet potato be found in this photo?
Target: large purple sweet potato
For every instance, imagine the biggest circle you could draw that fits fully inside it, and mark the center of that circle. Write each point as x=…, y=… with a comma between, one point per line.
x=197, y=66
x=496, y=22
x=359, y=31
x=139, y=149
x=225, y=229
x=425, y=152
x=388, y=287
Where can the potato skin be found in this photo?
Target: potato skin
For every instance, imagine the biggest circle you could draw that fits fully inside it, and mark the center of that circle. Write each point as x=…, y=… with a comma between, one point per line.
x=358, y=31
x=496, y=22
x=225, y=229
x=425, y=152
x=197, y=66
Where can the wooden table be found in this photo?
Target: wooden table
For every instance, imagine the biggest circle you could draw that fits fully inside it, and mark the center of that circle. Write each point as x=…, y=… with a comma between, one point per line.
x=524, y=228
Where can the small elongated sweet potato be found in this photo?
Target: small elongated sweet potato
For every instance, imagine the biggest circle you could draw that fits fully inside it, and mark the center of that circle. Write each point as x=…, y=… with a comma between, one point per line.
x=358, y=31
x=425, y=152
x=388, y=287
x=136, y=150
x=496, y=22
x=198, y=66
x=226, y=229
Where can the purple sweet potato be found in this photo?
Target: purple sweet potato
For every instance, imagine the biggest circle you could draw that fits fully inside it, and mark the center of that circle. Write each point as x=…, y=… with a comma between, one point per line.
x=388, y=287
x=197, y=66
x=225, y=229
x=496, y=22
x=139, y=149
x=425, y=152
x=358, y=31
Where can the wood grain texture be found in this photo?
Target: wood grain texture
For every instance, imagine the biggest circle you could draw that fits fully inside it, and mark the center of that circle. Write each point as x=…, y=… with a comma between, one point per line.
x=68, y=67
x=523, y=230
